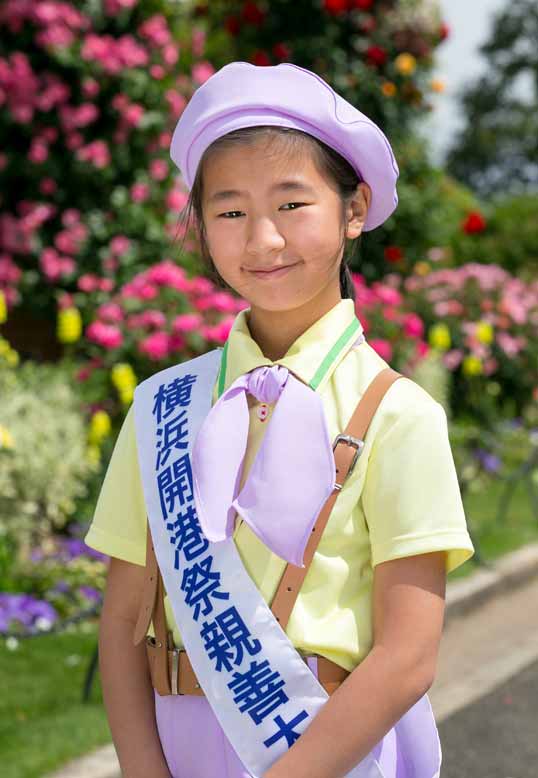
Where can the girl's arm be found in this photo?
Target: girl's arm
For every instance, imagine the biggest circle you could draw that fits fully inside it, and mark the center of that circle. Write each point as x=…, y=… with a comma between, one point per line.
x=127, y=689
x=408, y=613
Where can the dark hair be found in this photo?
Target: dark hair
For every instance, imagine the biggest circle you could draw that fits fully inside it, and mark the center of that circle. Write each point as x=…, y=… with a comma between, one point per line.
x=290, y=141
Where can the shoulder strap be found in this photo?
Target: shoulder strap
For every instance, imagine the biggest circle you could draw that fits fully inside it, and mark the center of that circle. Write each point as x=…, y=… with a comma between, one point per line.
x=293, y=577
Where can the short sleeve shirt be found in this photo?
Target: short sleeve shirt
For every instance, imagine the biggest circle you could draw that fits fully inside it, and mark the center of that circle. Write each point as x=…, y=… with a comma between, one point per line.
x=402, y=498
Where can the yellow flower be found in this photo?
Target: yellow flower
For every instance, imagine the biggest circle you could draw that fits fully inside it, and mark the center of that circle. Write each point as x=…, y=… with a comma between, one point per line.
x=421, y=268
x=471, y=365
x=439, y=337
x=99, y=427
x=484, y=332
x=388, y=88
x=12, y=357
x=126, y=395
x=122, y=375
x=69, y=325
x=93, y=454
x=437, y=85
x=405, y=63
x=5, y=348
x=3, y=307
x=6, y=438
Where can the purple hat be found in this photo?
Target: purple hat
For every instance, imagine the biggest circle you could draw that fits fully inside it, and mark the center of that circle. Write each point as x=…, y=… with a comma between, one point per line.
x=244, y=95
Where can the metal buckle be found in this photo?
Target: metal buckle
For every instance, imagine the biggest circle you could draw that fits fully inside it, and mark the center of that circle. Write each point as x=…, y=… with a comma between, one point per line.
x=351, y=441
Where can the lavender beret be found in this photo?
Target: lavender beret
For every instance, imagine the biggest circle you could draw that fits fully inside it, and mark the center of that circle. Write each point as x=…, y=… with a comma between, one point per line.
x=244, y=95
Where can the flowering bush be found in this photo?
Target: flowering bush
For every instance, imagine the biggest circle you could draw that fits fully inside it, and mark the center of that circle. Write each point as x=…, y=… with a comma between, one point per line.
x=59, y=579
x=481, y=320
x=46, y=459
x=158, y=318
x=89, y=93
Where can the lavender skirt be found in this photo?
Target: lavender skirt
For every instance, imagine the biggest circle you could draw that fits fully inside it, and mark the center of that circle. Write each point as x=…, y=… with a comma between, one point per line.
x=195, y=745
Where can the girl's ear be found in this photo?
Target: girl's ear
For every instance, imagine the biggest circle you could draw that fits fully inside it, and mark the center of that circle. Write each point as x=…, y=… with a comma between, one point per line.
x=357, y=210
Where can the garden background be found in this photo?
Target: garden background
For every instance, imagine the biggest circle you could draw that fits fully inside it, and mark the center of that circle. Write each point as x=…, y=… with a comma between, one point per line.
x=102, y=283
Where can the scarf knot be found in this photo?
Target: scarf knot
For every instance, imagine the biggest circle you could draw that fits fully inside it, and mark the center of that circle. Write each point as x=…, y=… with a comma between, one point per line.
x=266, y=383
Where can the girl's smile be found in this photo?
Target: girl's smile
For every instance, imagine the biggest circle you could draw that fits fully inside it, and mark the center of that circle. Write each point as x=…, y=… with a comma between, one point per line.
x=277, y=272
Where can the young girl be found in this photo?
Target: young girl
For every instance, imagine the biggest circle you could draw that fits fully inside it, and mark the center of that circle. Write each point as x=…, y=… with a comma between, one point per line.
x=282, y=170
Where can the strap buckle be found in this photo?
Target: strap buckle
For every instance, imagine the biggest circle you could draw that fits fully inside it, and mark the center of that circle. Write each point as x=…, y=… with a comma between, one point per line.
x=351, y=441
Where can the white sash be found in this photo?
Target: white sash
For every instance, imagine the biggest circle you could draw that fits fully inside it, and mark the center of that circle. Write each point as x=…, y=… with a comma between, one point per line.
x=262, y=692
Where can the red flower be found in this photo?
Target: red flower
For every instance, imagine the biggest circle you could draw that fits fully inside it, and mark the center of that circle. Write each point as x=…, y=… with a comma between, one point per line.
x=233, y=25
x=393, y=253
x=260, y=58
x=376, y=55
x=282, y=52
x=474, y=223
x=364, y=5
x=335, y=7
x=444, y=31
x=252, y=14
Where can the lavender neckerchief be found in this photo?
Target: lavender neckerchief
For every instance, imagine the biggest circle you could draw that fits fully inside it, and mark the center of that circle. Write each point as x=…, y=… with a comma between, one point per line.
x=293, y=472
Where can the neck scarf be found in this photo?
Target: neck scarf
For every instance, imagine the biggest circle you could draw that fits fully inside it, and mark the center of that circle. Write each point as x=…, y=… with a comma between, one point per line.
x=293, y=472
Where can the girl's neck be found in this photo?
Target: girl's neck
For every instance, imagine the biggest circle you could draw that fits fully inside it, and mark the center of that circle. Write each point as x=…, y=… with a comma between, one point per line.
x=276, y=331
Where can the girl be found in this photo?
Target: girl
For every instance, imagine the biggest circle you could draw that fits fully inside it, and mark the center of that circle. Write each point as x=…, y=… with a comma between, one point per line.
x=282, y=170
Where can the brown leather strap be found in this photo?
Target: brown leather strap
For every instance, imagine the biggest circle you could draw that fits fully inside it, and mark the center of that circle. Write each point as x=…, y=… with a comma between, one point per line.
x=292, y=578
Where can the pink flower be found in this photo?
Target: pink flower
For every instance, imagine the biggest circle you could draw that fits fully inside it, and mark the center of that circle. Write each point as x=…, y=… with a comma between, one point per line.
x=201, y=71
x=90, y=87
x=88, y=282
x=159, y=169
x=198, y=41
x=47, y=186
x=382, y=347
x=153, y=318
x=176, y=102
x=39, y=152
x=9, y=272
x=71, y=217
x=155, y=346
x=139, y=192
x=133, y=114
x=453, y=358
x=155, y=30
x=176, y=342
x=119, y=244
x=176, y=199
x=413, y=326
x=96, y=152
x=187, y=322
x=105, y=335
x=111, y=312
x=170, y=54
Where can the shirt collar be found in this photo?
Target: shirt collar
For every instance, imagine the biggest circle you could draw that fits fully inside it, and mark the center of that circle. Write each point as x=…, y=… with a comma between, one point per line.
x=312, y=357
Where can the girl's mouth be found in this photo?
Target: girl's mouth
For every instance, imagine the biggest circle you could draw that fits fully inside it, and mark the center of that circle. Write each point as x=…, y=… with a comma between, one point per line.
x=277, y=272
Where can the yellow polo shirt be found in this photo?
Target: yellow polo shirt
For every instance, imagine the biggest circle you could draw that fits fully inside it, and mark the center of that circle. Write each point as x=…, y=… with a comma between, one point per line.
x=402, y=499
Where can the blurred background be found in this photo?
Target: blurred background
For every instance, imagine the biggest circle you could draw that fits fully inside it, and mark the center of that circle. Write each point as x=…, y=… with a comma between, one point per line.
x=102, y=284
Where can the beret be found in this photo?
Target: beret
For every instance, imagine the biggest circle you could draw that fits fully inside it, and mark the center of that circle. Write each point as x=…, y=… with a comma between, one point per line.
x=241, y=94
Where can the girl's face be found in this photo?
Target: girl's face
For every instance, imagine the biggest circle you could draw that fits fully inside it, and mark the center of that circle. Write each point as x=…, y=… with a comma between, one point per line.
x=273, y=226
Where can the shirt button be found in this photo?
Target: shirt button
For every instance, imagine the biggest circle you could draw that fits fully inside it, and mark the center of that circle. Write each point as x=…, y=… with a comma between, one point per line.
x=262, y=411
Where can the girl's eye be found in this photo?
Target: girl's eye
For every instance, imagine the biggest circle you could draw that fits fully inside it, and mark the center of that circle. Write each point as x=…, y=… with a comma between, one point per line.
x=225, y=214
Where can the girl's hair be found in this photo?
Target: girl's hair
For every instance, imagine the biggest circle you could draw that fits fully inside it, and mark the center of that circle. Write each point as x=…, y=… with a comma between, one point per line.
x=336, y=170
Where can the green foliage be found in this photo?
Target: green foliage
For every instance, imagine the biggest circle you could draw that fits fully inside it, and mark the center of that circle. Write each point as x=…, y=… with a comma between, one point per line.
x=46, y=470
x=510, y=238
